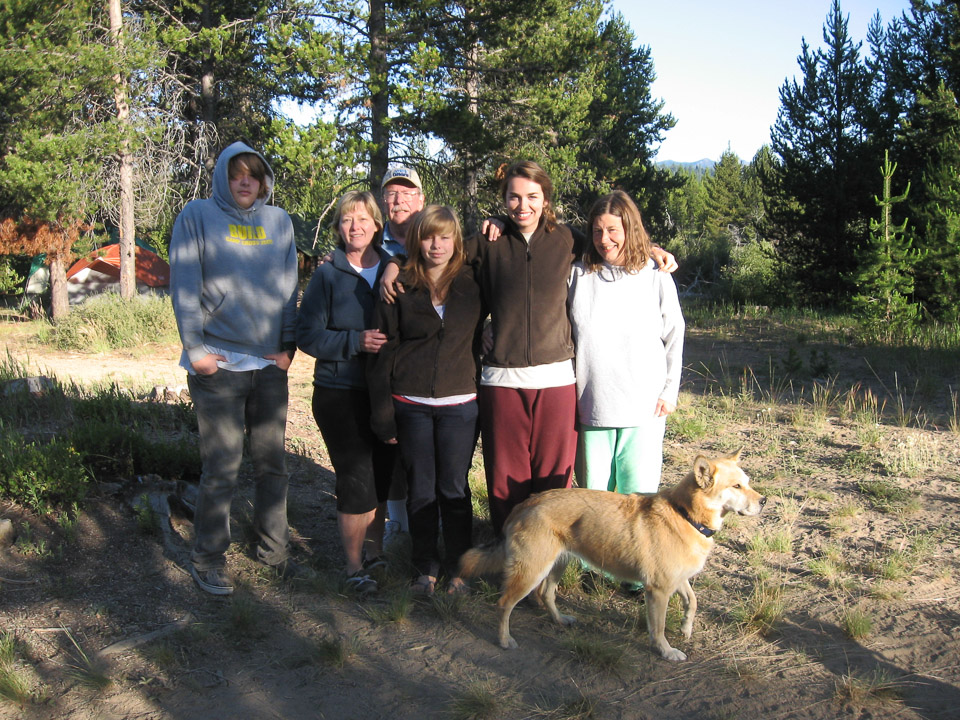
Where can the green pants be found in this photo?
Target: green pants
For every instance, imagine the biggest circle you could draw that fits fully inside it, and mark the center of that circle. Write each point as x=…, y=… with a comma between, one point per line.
x=625, y=460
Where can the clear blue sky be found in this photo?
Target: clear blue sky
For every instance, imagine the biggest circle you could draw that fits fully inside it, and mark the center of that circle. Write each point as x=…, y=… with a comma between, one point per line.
x=720, y=63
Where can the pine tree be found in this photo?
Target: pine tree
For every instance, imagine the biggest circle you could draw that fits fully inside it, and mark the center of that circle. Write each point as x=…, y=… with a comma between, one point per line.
x=56, y=70
x=938, y=209
x=728, y=212
x=885, y=275
x=501, y=80
x=819, y=200
x=624, y=122
x=227, y=66
x=925, y=67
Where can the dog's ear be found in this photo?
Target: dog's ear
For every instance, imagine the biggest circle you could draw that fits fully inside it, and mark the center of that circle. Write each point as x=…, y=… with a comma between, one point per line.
x=735, y=456
x=703, y=472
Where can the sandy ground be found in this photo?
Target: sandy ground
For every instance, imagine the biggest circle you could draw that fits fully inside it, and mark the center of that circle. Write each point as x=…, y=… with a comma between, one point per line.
x=263, y=653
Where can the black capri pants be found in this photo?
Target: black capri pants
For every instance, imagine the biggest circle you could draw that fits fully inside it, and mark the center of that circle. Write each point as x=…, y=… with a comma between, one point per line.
x=362, y=463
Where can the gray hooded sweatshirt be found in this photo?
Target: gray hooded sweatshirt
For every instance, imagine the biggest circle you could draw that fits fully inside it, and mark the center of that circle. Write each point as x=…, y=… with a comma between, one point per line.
x=233, y=272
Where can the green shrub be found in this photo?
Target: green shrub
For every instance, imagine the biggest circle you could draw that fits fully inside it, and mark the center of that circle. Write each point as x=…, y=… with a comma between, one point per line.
x=112, y=450
x=109, y=322
x=41, y=476
x=10, y=280
x=751, y=275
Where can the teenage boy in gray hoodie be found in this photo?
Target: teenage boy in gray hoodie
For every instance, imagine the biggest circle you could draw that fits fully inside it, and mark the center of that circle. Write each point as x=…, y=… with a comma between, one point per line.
x=233, y=280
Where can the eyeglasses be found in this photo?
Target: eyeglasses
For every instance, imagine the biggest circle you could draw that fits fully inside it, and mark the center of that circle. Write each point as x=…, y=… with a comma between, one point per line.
x=405, y=195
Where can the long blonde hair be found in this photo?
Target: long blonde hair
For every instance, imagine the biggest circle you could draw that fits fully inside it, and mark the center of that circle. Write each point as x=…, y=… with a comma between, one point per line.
x=636, y=245
x=433, y=220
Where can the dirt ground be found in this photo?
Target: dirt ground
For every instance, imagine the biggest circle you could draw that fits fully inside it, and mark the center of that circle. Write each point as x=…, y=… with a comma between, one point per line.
x=121, y=598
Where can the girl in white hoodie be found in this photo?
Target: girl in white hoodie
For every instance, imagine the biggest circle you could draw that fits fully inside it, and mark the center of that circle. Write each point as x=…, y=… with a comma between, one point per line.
x=628, y=334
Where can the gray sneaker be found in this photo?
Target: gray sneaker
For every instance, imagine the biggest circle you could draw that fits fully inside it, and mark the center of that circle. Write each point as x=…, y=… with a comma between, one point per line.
x=213, y=581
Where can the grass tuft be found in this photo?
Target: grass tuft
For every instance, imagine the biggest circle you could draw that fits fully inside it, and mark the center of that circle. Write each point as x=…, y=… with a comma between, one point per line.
x=876, y=688
x=15, y=685
x=336, y=651
x=857, y=624
x=396, y=610
x=478, y=701
x=87, y=671
x=243, y=617
x=763, y=609
x=590, y=649
x=887, y=496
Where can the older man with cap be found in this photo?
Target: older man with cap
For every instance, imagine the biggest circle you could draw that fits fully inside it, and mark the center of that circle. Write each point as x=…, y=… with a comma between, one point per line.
x=402, y=194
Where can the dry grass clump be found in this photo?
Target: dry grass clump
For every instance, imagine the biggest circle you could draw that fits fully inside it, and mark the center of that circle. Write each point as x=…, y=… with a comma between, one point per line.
x=910, y=455
x=875, y=689
x=479, y=701
x=17, y=684
x=763, y=610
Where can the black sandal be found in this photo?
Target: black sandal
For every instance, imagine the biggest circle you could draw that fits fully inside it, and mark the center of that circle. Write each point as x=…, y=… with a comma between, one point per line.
x=361, y=583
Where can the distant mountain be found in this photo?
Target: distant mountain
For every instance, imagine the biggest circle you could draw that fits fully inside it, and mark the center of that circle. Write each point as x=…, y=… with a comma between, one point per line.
x=699, y=166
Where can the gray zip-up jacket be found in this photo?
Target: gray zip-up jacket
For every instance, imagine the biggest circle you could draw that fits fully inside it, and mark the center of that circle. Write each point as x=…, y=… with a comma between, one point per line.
x=338, y=305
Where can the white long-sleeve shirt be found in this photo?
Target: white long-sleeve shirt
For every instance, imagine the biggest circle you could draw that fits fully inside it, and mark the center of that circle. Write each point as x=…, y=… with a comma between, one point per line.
x=628, y=332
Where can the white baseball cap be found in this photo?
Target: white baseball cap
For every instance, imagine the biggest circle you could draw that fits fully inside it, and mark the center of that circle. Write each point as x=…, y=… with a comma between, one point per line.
x=405, y=175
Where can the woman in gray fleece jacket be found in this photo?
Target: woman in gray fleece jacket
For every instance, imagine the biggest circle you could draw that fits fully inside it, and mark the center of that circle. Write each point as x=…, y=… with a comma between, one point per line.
x=337, y=326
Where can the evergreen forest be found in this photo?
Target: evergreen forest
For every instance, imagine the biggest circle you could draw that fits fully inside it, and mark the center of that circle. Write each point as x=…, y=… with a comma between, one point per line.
x=112, y=113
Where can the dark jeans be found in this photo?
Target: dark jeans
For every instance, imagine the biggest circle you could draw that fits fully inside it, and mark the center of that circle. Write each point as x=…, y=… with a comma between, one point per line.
x=436, y=447
x=226, y=404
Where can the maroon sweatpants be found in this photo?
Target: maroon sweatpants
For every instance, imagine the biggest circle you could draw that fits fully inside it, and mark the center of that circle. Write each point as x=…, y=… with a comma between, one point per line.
x=529, y=443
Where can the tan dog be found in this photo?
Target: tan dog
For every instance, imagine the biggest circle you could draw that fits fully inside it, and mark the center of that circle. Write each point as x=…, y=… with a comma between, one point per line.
x=660, y=540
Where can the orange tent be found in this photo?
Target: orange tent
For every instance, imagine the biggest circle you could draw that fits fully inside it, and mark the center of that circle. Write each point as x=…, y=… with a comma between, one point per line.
x=151, y=269
x=100, y=271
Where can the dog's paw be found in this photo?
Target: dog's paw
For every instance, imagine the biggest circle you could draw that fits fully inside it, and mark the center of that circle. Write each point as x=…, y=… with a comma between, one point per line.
x=566, y=620
x=509, y=644
x=674, y=655
x=687, y=630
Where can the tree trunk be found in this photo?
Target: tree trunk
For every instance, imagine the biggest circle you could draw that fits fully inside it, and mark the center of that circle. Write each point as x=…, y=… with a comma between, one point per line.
x=471, y=220
x=379, y=93
x=128, y=278
x=59, y=303
x=208, y=100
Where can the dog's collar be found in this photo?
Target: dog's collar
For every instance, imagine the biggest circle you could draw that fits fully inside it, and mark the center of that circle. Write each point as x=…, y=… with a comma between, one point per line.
x=701, y=528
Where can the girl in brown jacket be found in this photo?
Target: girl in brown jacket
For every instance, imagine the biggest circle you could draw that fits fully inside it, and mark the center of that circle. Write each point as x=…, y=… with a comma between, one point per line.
x=423, y=386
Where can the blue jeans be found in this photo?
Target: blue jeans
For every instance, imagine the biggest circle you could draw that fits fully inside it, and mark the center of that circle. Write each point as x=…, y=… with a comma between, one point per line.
x=436, y=448
x=227, y=404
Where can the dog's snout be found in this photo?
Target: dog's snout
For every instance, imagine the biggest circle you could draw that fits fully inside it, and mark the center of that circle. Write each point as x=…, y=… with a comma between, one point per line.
x=763, y=500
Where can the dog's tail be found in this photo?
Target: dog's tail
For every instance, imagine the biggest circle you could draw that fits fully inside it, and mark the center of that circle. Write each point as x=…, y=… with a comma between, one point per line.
x=483, y=561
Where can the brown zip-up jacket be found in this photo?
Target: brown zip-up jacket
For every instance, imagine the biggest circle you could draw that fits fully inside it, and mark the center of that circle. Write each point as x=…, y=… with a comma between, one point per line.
x=524, y=287
x=425, y=356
